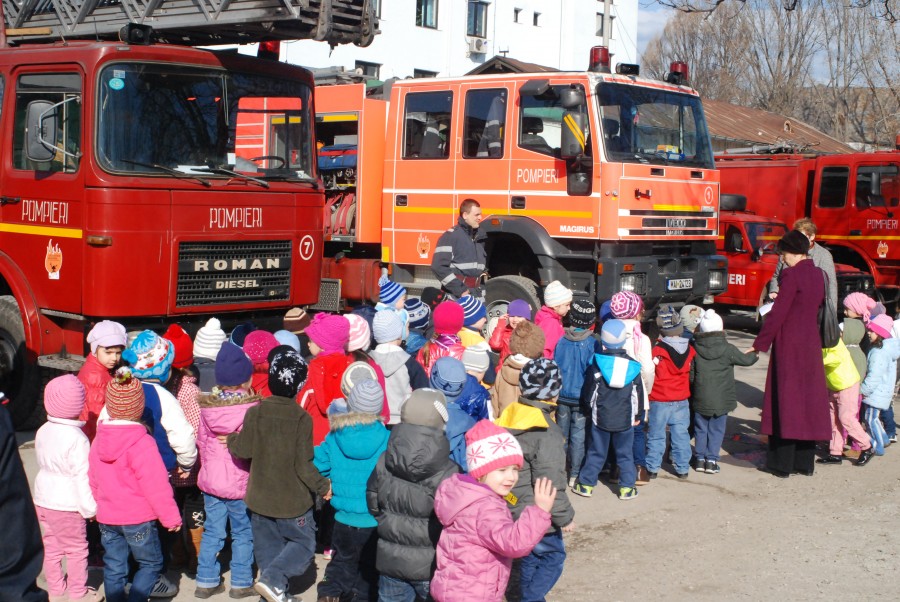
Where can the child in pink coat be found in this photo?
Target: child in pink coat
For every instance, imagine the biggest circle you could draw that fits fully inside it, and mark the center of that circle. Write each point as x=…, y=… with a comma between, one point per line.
x=62, y=494
x=480, y=538
x=557, y=301
x=131, y=486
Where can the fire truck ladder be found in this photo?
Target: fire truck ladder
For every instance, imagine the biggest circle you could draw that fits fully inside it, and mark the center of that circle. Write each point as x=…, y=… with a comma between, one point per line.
x=194, y=22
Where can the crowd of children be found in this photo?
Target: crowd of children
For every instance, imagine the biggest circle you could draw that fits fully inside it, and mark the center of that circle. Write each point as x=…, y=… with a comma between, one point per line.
x=391, y=438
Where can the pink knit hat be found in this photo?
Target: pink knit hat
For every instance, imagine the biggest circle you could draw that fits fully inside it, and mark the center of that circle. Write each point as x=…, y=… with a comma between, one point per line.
x=881, y=325
x=489, y=447
x=861, y=304
x=360, y=334
x=258, y=344
x=64, y=397
x=330, y=332
x=448, y=318
x=626, y=305
x=107, y=334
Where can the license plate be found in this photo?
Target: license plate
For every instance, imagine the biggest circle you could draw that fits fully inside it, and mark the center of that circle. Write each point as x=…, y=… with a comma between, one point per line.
x=680, y=284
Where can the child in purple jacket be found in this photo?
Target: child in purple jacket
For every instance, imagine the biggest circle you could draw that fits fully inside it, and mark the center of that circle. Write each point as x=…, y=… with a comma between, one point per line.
x=480, y=537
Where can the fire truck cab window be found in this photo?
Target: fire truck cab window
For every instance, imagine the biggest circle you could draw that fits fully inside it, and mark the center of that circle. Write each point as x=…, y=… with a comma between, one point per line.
x=833, y=187
x=648, y=125
x=164, y=120
x=540, y=121
x=877, y=186
x=485, y=124
x=427, y=125
x=59, y=95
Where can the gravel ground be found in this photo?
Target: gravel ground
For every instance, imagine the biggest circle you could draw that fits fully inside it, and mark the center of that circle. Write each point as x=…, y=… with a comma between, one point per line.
x=740, y=534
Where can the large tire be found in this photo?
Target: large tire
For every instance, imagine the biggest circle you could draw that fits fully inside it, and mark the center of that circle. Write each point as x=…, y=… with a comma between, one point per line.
x=19, y=379
x=503, y=289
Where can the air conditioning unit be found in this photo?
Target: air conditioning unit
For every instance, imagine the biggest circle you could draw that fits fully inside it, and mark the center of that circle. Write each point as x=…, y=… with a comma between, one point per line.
x=477, y=45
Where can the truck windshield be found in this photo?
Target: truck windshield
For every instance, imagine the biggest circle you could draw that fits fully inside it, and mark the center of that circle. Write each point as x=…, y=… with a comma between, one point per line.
x=765, y=235
x=201, y=122
x=648, y=125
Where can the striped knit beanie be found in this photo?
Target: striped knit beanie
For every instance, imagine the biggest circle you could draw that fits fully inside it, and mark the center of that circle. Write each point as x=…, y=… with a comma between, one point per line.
x=556, y=294
x=540, y=380
x=64, y=397
x=473, y=309
x=389, y=291
x=355, y=373
x=125, y=397
x=419, y=312
x=490, y=447
x=669, y=321
x=360, y=335
x=626, y=305
x=209, y=339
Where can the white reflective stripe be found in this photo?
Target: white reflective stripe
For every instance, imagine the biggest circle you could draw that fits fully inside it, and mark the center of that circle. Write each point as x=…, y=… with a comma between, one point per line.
x=448, y=279
x=445, y=249
x=467, y=266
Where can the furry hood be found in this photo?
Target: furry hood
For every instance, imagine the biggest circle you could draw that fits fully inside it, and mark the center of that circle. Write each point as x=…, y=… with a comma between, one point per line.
x=342, y=421
x=217, y=399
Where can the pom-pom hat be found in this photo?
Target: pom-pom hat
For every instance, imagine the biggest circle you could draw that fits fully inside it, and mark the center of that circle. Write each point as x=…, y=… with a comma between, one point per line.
x=124, y=396
x=182, y=344
x=881, y=325
x=64, y=397
x=209, y=339
x=107, y=333
x=711, y=322
x=490, y=447
x=389, y=292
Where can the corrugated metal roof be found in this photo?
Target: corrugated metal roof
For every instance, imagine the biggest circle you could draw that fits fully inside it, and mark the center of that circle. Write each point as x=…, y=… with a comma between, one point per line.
x=502, y=64
x=733, y=126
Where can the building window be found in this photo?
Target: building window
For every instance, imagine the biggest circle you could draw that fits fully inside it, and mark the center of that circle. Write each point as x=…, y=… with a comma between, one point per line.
x=612, y=26
x=376, y=6
x=484, y=124
x=477, y=19
x=422, y=74
x=517, y=12
x=427, y=125
x=599, y=25
x=426, y=13
x=370, y=69
x=537, y=19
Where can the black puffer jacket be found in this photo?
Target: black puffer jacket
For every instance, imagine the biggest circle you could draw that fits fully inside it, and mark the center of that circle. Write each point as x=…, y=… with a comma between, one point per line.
x=712, y=373
x=401, y=498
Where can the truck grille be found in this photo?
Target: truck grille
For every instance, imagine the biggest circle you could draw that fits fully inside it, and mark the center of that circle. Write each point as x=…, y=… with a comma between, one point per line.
x=218, y=273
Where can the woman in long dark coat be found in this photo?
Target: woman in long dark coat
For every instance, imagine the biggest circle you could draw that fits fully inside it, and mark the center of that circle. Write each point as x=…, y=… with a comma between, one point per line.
x=795, y=410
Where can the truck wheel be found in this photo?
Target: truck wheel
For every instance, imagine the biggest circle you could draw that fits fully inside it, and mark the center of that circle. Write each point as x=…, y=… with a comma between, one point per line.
x=19, y=379
x=503, y=289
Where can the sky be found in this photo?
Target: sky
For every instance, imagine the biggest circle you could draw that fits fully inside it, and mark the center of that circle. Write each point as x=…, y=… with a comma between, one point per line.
x=651, y=20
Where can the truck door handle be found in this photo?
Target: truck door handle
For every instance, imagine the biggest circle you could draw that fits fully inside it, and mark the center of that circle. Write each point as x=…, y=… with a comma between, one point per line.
x=401, y=200
x=517, y=202
x=9, y=200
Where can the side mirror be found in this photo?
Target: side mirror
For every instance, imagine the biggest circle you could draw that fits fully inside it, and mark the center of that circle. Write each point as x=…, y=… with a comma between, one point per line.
x=734, y=245
x=876, y=200
x=40, y=132
x=572, y=135
x=571, y=98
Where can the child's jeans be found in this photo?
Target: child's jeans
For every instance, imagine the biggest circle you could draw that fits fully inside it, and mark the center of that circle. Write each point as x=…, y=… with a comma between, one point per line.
x=540, y=570
x=398, y=590
x=843, y=406
x=623, y=444
x=219, y=512
x=352, y=567
x=571, y=421
x=876, y=430
x=887, y=418
x=709, y=432
x=677, y=416
x=639, y=448
x=65, y=536
x=284, y=547
x=142, y=541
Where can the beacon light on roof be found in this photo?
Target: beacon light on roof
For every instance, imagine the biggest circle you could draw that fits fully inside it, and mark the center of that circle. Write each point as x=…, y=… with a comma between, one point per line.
x=678, y=73
x=599, y=62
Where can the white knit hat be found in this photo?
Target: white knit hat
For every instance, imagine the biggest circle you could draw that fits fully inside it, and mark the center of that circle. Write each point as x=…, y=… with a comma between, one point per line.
x=711, y=322
x=556, y=294
x=209, y=339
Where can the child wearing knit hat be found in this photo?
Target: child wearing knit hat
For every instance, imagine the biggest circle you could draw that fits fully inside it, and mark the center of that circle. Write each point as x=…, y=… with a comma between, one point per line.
x=449, y=318
x=475, y=399
x=530, y=420
x=328, y=337
x=277, y=439
x=390, y=294
x=402, y=373
x=131, y=485
x=401, y=494
x=450, y=378
x=223, y=477
x=348, y=456
x=107, y=340
x=207, y=342
x=878, y=387
x=525, y=344
x=474, y=318
x=62, y=493
x=419, y=323
x=472, y=508
x=518, y=311
x=557, y=301
x=257, y=346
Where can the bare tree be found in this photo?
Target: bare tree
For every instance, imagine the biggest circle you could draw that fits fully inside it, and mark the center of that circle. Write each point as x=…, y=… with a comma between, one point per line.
x=887, y=10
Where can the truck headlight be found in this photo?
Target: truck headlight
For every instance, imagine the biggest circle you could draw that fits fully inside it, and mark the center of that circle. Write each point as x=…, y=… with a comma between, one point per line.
x=717, y=279
x=632, y=282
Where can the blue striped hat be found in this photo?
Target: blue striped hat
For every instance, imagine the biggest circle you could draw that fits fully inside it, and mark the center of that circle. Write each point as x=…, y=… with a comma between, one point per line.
x=473, y=310
x=419, y=312
x=389, y=291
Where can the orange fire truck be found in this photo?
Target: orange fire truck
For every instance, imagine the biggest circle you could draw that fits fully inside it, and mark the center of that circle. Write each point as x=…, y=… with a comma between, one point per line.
x=852, y=198
x=125, y=192
x=604, y=181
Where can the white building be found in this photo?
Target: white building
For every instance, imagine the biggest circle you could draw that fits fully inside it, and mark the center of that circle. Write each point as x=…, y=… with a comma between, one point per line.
x=427, y=38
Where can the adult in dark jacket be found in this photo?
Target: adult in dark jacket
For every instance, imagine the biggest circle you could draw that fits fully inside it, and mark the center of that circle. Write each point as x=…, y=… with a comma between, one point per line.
x=459, y=257
x=21, y=550
x=400, y=496
x=795, y=408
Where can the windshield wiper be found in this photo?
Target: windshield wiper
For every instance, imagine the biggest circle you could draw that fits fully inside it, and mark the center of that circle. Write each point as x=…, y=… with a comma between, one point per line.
x=227, y=172
x=172, y=172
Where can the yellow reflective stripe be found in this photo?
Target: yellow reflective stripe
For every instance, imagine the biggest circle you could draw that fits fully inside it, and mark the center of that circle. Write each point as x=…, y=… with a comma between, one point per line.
x=41, y=230
x=491, y=210
x=676, y=207
x=338, y=118
x=573, y=127
x=852, y=237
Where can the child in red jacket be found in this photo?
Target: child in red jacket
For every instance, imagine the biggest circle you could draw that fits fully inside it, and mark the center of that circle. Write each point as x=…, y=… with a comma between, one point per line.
x=107, y=340
x=518, y=311
x=673, y=356
x=328, y=337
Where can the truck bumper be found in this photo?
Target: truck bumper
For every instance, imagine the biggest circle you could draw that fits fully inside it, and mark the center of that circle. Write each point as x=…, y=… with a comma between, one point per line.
x=680, y=280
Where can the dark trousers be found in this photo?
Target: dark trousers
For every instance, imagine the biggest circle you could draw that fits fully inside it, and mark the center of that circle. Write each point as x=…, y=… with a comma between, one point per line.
x=352, y=566
x=283, y=547
x=598, y=445
x=540, y=570
x=791, y=455
x=709, y=432
x=887, y=418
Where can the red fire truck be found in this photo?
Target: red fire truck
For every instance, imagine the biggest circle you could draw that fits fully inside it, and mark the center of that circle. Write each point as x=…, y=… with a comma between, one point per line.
x=852, y=198
x=125, y=191
x=604, y=181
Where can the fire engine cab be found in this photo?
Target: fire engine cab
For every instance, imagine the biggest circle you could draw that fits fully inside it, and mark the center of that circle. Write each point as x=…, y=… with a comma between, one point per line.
x=604, y=181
